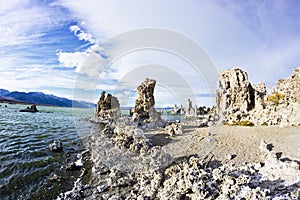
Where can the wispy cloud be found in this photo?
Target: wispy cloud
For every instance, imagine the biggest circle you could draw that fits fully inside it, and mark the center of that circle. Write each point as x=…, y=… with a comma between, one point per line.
x=31, y=32
x=234, y=34
x=25, y=21
x=46, y=44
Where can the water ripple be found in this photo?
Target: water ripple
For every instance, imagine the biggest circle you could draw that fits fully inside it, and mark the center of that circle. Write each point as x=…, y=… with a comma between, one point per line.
x=26, y=162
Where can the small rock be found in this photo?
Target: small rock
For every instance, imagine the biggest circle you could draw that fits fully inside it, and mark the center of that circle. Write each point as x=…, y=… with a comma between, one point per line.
x=55, y=178
x=73, y=167
x=56, y=146
x=102, y=188
x=231, y=156
x=257, y=166
x=173, y=129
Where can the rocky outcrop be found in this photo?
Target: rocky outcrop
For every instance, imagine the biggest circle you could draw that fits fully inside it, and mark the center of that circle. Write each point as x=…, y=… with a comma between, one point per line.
x=260, y=94
x=32, y=108
x=240, y=101
x=290, y=87
x=192, y=180
x=197, y=178
x=178, y=111
x=108, y=107
x=189, y=108
x=130, y=138
x=144, y=111
x=235, y=93
x=203, y=110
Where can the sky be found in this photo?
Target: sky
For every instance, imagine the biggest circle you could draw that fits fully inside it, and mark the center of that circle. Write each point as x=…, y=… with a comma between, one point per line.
x=78, y=48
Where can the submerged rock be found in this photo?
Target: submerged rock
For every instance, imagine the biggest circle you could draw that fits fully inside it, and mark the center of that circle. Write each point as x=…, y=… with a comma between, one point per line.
x=32, y=108
x=56, y=146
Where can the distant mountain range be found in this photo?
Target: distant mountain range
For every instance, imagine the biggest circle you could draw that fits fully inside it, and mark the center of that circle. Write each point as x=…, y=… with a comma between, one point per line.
x=42, y=99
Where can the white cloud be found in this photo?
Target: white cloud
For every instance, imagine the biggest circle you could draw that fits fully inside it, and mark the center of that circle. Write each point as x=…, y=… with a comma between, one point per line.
x=260, y=36
x=28, y=29
x=36, y=78
x=82, y=35
x=24, y=21
x=74, y=59
x=87, y=62
x=234, y=34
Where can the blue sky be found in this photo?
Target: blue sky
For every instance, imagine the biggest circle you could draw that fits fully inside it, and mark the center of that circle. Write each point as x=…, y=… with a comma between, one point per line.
x=46, y=45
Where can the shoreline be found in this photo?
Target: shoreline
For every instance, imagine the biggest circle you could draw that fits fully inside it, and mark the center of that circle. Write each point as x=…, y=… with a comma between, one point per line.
x=219, y=147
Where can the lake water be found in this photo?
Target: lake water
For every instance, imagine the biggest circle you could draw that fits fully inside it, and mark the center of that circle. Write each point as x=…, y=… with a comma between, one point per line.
x=26, y=163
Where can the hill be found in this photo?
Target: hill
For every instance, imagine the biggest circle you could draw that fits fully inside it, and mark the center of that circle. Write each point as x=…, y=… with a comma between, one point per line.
x=42, y=98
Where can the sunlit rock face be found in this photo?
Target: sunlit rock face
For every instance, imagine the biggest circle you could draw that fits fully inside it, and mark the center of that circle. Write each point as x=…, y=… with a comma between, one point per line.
x=239, y=100
x=144, y=111
x=235, y=92
x=108, y=106
x=290, y=87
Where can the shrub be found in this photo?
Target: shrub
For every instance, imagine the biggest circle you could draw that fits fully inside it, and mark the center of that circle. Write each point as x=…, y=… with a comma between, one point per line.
x=275, y=98
x=264, y=124
x=240, y=123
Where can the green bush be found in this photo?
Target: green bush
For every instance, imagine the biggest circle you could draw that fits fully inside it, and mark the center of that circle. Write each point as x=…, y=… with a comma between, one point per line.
x=264, y=124
x=240, y=123
x=275, y=98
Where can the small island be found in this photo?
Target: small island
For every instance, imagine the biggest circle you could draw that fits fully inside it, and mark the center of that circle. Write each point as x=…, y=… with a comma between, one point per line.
x=31, y=109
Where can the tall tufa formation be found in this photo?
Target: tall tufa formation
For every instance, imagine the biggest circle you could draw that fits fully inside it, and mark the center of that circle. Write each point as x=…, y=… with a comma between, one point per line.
x=144, y=111
x=108, y=107
x=290, y=87
x=235, y=92
x=239, y=100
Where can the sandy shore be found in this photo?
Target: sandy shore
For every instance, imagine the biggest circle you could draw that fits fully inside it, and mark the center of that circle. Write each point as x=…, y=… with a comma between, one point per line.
x=232, y=144
x=221, y=162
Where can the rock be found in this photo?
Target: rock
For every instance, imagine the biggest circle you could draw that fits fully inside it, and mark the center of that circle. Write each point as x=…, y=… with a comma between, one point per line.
x=231, y=156
x=260, y=93
x=189, y=177
x=275, y=169
x=131, y=138
x=238, y=100
x=56, y=146
x=174, y=129
x=235, y=92
x=102, y=188
x=290, y=87
x=203, y=110
x=108, y=107
x=55, y=178
x=189, y=108
x=178, y=111
x=144, y=111
x=73, y=167
x=32, y=109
